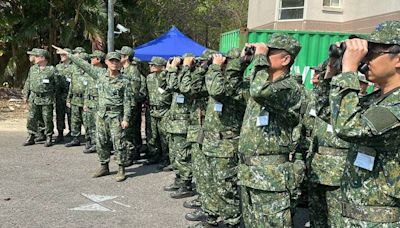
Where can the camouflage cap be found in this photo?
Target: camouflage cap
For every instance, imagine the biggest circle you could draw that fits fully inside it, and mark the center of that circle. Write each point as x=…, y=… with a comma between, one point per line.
x=68, y=50
x=135, y=60
x=125, y=50
x=284, y=42
x=159, y=61
x=234, y=53
x=362, y=78
x=188, y=55
x=79, y=50
x=42, y=52
x=113, y=55
x=206, y=53
x=387, y=32
x=33, y=51
x=84, y=56
x=97, y=54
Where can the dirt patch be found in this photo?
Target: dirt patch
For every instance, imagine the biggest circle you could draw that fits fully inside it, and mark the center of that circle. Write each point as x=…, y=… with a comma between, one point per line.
x=13, y=110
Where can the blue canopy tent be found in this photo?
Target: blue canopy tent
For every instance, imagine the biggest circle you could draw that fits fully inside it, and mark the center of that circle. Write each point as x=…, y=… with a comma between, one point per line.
x=172, y=43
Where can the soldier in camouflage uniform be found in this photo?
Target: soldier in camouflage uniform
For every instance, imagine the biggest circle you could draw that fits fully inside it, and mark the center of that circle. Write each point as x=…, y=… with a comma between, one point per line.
x=159, y=101
x=327, y=152
x=76, y=97
x=267, y=177
x=113, y=112
x=180, y=158
x=192, y=86
x=370, y=183
x=133, y=133
x=90, y=103
x=221, y=127
x=64, y=69
x=40, y=136
x=40, y=90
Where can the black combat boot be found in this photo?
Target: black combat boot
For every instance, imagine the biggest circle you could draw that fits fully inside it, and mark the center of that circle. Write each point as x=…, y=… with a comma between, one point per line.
x=30, y=140
x=90, y=150
x=192, y=204
x=197, y=215
x=75, y=142
x=48, y=142
x=173, y=187
x=183, y=192
x=60, y=137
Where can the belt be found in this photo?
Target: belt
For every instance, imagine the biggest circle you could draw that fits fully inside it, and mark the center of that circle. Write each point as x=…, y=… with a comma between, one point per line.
x=42, y=94
x=78, y=95
x=92, y=97
x=264, y=159
x=332, y=151
x=114, y=108
x=371, y=213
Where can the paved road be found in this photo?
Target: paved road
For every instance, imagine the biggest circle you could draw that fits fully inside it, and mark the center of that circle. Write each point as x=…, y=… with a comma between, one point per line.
x=46, y=187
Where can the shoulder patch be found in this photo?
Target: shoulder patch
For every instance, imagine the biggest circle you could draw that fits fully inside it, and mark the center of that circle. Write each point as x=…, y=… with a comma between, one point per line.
x=381, y=119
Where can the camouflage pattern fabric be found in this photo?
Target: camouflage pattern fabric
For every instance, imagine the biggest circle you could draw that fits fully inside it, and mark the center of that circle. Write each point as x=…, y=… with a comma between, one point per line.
x=159, y=102
x=178, y=121
x=91, y=101
x=267, y=178
x=138, y=88
x=114, y=107
x=263, y=209
x=40, y=89
x=328, y=152
x=64, y=75
x=26, y=93
x=192, y=86
x=76, y=95
x=371, y=125
x=222, y=122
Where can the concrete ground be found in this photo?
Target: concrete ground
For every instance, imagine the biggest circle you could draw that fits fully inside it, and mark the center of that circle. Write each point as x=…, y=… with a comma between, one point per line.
x=52, y=187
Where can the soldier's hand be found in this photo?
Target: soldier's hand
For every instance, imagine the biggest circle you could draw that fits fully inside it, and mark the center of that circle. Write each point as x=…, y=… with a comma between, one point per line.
x=218, y=59
x=188, y=61
x=261, y=49
x=85, y=108
x=356, y=49
x=59, y=50
x=124, y=124
x=68, y=105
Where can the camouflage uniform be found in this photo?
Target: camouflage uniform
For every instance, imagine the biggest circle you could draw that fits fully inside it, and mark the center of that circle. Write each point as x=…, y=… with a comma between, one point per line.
x=64, y=75
x=41, y=128
x=267, y=177
x=114, y=107
x=370, y=183
x=178, y=122
x=222, y=124
x=91, y=101
x=192, y=86
x=159, y=101
x=328, y=152
x=133, y=133
x=40, y=89
x=79, y=82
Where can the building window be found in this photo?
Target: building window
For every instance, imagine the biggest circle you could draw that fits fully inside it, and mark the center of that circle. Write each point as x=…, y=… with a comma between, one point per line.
x=331, y=3
x=291, y=9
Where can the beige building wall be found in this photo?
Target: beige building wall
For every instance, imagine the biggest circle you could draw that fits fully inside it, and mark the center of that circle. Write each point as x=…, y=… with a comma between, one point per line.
x=353, y=15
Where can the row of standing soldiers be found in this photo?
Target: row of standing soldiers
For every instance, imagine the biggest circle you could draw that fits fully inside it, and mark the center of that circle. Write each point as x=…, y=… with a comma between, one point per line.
x=249, y=145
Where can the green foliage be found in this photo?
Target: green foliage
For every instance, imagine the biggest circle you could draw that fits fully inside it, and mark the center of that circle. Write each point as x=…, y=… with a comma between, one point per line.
x=25, y=24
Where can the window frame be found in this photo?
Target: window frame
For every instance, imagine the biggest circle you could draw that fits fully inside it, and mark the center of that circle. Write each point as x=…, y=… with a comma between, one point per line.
x=279, y=9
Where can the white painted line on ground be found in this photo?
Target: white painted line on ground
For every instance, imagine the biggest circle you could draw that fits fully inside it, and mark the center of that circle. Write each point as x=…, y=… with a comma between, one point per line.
x=90, y=207
x=98, y=198
x=122, y=204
